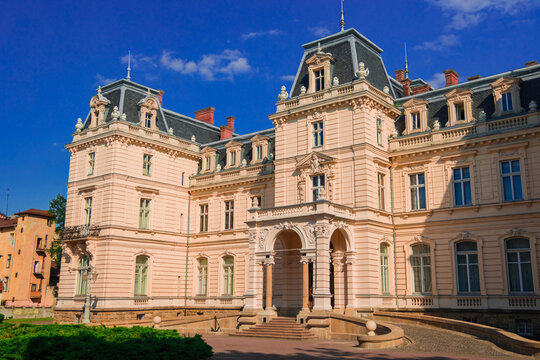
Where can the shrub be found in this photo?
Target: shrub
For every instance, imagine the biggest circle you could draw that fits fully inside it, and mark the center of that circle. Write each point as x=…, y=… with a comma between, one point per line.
x=71, y=342
x=1, y=318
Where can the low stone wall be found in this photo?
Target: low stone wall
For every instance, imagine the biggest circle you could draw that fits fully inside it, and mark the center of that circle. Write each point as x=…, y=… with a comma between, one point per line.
x=71, y=315
x=503, y=338
x=27, y=312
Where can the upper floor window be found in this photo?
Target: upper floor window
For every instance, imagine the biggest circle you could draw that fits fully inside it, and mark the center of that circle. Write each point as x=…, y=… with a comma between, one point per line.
x=511, y=180
x=468, y=276
x=318, y=187
x=207, y=162
x=229, y=214
x=233, y=158
x=416, y=120
x=144, y=214
x=259, y=152
x=36, y=267
x=8, y=261
x=460, y=111
x=204, y=218
x=147, y=164
x=421, y=268
x=380, y=186
x=462, y=186
x=519, y=263
x=82, y=275
x=379, y=132
x=319, y=80
x=11, y=239
x=148, y=120
x=91, y=162
x=385, y=276
x=141, y=275
x=228, y=275
x=418, y=191
x=202, y=276
x=506, y=101
x=318, y=138
x=87, y=211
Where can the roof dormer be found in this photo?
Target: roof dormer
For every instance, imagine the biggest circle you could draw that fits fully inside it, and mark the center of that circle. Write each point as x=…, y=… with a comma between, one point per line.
x=415, y=116
x=208, y=159
x=506, y=96
x=234, y=153
x=319, y=68
x=98, y=105
x=259, y=151
x=148, y=111
x=459, y=103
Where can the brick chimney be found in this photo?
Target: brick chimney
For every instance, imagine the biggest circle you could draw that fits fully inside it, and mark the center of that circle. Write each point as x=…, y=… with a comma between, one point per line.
x=421, y=89
x=160, y=97
x=451, y=77
x=226, y=132
x=230, y=122
x=474, y=77
x=406, y=87
x=205, y=115
x=400, y=75
x=531, y=63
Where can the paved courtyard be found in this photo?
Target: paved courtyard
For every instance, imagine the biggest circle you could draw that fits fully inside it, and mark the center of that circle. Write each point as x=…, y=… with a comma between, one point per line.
x=425, y=343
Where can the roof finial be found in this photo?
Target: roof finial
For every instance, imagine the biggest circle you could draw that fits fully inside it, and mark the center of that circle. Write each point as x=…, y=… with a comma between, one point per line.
x=406, y=63
x=342, y=22
x=99, y=90
x=319, y=50
x=128, y=77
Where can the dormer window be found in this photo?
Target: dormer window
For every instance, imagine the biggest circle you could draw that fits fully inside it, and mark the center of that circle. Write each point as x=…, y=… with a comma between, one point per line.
x=233, y=159
x=460, y=112
x=319, y=80
x=506, y=100
x=148, y=111
x=259, y=146
x=148, y=120
x=207, y=163
x=259, y=152
x=415, y=120
x=459, y=102
x=415, y=116
x=209, y=159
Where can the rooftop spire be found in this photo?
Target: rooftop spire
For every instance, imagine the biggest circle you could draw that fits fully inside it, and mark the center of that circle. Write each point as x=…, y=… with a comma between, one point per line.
x=342, y=22
x=406, y=63
x=128, y=77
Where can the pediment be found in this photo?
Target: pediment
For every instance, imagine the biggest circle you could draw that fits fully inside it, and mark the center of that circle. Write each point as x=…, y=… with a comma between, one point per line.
x=319, y=58
x=233, y=144
x=505, y=81
x=208, y=149
x=415, y=102
x=458, y=93
x=315, y=159
x=258, y=138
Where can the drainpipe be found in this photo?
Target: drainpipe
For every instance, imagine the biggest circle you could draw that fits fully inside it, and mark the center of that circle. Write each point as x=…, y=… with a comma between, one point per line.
x=393, y=227
x=187, y=247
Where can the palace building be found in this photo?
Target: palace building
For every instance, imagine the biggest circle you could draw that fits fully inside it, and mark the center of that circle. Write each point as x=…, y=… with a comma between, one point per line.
x=368, y=192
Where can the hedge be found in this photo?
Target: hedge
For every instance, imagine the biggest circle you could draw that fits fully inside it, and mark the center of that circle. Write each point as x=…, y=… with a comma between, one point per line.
x=72, y=342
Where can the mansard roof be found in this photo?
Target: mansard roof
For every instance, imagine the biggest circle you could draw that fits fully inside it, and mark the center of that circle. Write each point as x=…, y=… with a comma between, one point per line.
x=127, y=95
x=348, y=48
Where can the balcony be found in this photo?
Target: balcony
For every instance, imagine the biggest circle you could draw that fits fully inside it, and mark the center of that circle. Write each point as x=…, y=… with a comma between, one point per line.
x=35, y=294
x=235, y=175
x=307, y=209
x=40, y=248
x=79, y=232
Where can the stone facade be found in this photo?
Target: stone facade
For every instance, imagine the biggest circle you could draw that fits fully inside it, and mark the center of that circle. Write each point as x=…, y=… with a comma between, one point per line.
x=359, y=198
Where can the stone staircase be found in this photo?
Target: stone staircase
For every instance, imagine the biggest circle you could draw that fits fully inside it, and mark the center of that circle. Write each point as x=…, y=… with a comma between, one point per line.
x=279, y=328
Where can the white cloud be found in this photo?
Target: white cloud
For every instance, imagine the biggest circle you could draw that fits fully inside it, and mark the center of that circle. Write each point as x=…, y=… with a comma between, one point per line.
x=442, y=42
x=102, y=80
x=254, y=34
x=287, y=77
x=320, y=30
x=437, y=81
x=219, y=66
x=140, y=61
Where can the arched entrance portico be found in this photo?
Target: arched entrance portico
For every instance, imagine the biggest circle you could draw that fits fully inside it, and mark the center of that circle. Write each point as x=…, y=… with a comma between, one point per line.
x=340, y=271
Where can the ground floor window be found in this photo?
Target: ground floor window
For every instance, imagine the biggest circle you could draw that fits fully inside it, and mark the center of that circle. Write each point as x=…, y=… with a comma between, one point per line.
x=202, y=276
x=82, y=275
x=421, y=268
x=228, y=275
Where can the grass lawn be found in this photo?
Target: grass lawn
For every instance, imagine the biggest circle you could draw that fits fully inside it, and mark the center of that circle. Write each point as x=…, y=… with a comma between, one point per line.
x=28, y=320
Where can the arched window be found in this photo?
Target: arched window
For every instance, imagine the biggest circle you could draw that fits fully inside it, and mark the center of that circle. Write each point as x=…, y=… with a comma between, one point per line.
x=202, y=275
x=385, y=276
x=228, y=275
x=82, y=275
x=141, y=275
x=468, y=276
x=421, y=268
x=518, y=260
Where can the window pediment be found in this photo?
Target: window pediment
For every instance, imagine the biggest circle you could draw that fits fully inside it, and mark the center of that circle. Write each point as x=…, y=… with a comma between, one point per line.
x=315, y=163
x=415, y=104
x=504, y=83
x=459, y=94
x=233, y=144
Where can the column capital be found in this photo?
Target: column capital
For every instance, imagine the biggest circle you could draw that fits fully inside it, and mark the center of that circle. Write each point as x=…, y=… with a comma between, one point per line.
x=306, y=260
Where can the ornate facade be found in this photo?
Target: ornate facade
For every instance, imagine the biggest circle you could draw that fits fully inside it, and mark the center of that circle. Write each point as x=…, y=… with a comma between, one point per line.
x=368, y=193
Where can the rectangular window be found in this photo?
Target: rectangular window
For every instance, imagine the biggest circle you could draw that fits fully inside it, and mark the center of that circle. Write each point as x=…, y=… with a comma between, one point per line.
x=462, y=186
x=506, y=99
x=34, y=287
x=11, y=239
x=524, y=327
x=379, y=132
x=204, y=218
x=207, y=163
x=182, y=178
x=36, y=267
x=318, y=187
x=415, y=120
x=319, y=80
x=259, y=152
x=88, y=211
x=82, y=275
x=202, y=270
x=233, y=158
x=148, y=120
x=6, y=283
x=380, y=185
x=8, y=261
x=91, y=161
x=418, y=192
x=318, y=139
x=229, y=214
x=147, y=164
x=141, y=275
x=511, y=180
x=385, y=277
x=144, y=214
x=228, y=275
x=460, y=111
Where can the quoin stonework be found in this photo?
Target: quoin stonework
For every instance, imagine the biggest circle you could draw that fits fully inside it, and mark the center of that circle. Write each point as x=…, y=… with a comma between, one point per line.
x=370, y=191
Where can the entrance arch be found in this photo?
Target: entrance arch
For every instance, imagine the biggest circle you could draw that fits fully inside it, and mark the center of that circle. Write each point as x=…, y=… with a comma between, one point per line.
x=339, y=271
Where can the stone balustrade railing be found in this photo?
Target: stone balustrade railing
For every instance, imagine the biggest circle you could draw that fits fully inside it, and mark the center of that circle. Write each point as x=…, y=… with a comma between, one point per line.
x=136, y=130
x=297, y=210
x=232, y=174
x=456, y=133
x=332, y=92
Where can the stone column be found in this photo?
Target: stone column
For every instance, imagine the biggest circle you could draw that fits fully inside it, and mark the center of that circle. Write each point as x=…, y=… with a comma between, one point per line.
x=339, y=281
x=321, y=295
x=305, y=284
x=269, y=266
x=349, y=257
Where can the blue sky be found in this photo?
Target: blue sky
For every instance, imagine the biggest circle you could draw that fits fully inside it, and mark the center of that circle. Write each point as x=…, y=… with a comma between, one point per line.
x=232, y=55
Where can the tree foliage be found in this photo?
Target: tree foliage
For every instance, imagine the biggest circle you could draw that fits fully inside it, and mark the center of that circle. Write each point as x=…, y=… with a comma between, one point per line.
x=57, y=206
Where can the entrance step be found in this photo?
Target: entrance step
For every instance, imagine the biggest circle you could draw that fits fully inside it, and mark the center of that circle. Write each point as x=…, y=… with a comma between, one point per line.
x=279, y=328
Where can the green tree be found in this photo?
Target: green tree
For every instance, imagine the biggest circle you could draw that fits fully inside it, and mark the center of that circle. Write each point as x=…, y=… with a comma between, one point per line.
x=57, y=207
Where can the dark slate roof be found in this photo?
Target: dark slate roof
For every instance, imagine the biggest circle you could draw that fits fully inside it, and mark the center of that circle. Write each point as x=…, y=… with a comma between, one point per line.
x=482, y=97
x=126, y=95
x=348, y=48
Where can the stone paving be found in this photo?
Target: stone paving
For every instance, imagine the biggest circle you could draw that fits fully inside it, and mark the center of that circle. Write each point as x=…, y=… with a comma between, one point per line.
x=427, y=343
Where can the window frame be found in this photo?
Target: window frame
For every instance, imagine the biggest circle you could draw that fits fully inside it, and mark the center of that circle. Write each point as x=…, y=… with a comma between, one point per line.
x=462, y=182
x=317, y=132
x=147, y=165
x=422, y=267
x=511, y=175
x=378, y=124
x=416, y=122
x=141, y=276
x=384, y=268
x=83, y=270
x=227, y=281
x=203, y=218
x=319, y=79
x=88, y=201
x=417, y=190
x=202, y=281
x=506, y=102
x=144, y=213
x=381, y=190
x=519, y=263
x=468, y=265
x=315, y=189
x=229, y=214
x=91, y=163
